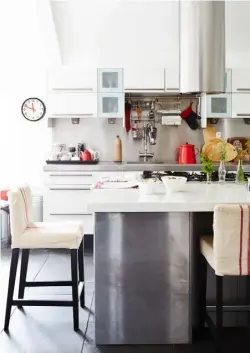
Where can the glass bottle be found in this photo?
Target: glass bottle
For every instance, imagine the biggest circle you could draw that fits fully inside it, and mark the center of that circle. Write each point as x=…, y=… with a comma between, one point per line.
x=222, y=172
x=240, y=179
x=209, y=178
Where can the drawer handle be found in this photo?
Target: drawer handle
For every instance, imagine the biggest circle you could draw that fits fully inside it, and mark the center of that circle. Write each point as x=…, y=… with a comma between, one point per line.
x=68, y=174
x=70, y=214
x=243, y=89
x=173, y=89
x=69, y=189
x=244, y=114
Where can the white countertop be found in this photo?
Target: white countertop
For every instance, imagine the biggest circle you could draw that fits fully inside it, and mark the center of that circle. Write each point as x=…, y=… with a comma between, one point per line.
x=196, y=197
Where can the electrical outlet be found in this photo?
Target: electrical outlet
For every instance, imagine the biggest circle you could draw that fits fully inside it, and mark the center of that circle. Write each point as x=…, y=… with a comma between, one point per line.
x=218, y=134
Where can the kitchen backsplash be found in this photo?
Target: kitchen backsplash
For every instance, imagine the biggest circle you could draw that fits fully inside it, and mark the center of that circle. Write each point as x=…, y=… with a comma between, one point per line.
x=100, y=135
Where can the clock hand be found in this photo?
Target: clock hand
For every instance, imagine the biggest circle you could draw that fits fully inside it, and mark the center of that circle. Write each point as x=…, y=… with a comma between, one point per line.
x=28, y=107
x=33, y=107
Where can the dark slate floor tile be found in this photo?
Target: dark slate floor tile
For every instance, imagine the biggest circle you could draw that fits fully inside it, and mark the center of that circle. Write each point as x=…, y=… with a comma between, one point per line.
x=90, y=347
x=45, y=330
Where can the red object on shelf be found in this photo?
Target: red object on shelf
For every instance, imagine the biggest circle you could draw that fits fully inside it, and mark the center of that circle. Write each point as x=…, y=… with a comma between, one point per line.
x=85, y=156
x=3, y=195
x=187, y=154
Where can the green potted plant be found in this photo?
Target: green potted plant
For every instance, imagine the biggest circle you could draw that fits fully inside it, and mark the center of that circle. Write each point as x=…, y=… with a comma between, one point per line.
x=222, y=168
x=207, y=167
x=240, y=178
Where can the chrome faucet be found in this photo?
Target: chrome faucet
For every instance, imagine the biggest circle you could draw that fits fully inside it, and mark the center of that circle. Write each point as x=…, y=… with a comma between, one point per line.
x=149, y=136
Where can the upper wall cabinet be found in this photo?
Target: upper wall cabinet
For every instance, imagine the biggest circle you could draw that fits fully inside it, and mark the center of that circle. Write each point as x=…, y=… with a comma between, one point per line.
x=110, y=80
x=172, y=80
x=138, y=33
x=72, y=78
x=143, y=79
x=241, y=80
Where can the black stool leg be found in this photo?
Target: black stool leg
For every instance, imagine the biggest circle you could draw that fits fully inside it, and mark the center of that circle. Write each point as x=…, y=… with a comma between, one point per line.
x=81, y=272
x=23, y=274
x=203, y=293
x=81, y=261
x=74, y=272
x=12, y=280
x=219, y=307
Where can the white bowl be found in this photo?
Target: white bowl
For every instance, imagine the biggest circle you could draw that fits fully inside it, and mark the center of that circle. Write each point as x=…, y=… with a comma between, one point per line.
x=151, y=187
x=173, y=183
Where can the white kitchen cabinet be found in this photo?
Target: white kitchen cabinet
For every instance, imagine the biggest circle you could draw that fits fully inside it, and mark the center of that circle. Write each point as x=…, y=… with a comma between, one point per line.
x=110, y=105
x=73, y=104
x=172, y=80
x=137, y=35
x=241, y=80
x=67, y=78
x=70, y=178
x=241, y=105
x=86, y=219
x=144, y=79
x=110, y=80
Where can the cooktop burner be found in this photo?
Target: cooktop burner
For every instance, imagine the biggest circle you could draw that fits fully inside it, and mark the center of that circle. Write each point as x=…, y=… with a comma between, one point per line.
x=192, y=176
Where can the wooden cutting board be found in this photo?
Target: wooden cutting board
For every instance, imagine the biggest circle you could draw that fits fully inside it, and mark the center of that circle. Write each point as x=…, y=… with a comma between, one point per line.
x=213, y=147
x=209, y=133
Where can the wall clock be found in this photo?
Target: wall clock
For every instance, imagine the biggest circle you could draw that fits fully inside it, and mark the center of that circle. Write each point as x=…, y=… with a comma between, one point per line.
x=33, y=109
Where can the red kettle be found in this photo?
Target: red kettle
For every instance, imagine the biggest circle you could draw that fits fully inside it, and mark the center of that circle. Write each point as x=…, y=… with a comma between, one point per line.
x=187, y=154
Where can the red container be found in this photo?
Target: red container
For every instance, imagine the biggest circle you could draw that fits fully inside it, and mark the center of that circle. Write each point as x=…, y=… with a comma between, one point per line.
x=85, y=156
x=3, y=195
x=187, y=154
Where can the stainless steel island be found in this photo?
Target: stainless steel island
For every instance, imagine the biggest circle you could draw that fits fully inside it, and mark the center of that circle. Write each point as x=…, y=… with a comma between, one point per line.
x=144, y=261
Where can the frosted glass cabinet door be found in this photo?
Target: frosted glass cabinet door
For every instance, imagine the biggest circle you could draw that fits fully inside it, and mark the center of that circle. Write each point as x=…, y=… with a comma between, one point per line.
x=110, y=105
x=110, y=80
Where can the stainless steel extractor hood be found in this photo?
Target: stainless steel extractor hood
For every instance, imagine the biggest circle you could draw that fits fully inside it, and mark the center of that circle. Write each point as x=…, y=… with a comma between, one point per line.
x=202, y=46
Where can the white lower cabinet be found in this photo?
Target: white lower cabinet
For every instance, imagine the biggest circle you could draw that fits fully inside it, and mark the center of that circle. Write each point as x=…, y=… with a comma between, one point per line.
x=66, y=196
x=87, y=219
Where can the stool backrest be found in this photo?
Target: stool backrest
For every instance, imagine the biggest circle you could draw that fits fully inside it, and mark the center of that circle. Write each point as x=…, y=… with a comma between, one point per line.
x=231, y=241
x=20, y=205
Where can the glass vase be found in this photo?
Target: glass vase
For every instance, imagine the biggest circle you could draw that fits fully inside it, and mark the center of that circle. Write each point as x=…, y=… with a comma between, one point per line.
x=222, y=173
x=240, y=179
x=209, y=178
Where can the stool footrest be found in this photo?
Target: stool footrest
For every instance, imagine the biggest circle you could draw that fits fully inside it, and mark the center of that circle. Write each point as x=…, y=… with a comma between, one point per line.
x=48, y=284
x=31, y=302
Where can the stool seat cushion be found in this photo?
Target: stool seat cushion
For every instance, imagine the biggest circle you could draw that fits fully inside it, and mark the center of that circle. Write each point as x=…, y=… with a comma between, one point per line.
x=39, y=235
x=206, y=246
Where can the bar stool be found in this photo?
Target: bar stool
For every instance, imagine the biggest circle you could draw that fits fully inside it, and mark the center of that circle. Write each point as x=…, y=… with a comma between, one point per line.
x=28, y=235
x=228, y=253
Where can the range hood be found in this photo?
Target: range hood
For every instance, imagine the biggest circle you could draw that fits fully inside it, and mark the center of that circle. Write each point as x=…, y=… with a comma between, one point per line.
x=202, y=46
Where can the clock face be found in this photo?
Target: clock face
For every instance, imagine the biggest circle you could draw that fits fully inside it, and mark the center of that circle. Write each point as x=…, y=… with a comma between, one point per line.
x=33, y=109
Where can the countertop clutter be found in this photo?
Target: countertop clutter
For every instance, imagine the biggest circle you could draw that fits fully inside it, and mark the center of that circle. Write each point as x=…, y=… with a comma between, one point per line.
x=195, y=197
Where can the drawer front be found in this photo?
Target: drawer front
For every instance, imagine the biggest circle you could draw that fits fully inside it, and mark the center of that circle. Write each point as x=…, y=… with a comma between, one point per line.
x=70, y=104
x=72, y=178
x=66, y=200
x=87, y=219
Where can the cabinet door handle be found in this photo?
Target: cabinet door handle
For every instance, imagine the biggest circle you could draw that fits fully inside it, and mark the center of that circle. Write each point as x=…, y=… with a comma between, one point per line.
x=72, y=114
x=73, y=89
x=243, y=89
x=144, y=89
x=69, y=189
x=173, y=89
x=70, y=214
x=68, y=174
x=244, y=115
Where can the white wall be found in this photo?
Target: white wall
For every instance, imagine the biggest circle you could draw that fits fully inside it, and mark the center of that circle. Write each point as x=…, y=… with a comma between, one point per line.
x=23, y=62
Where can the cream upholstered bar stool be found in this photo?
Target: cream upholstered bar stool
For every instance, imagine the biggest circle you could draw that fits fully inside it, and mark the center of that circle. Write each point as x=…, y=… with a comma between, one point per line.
x=27, y=235
x=228, y=253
